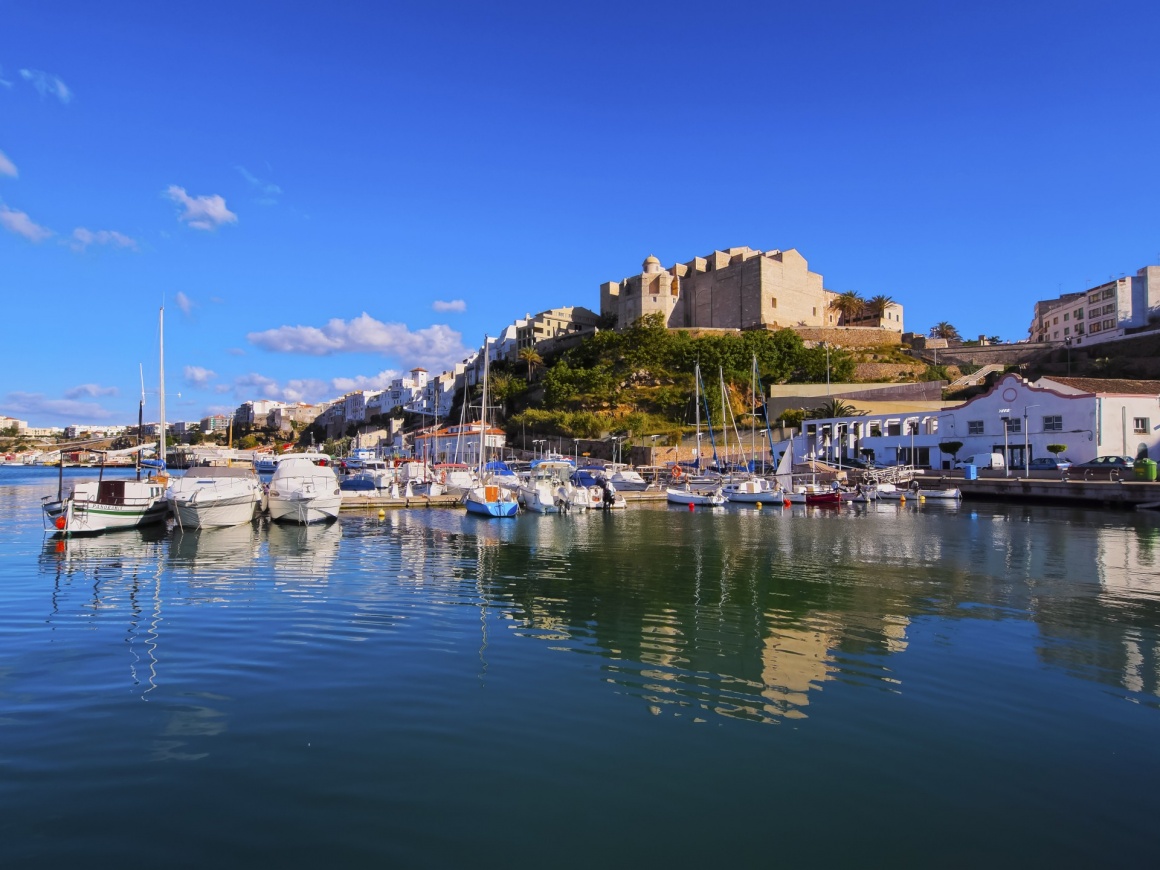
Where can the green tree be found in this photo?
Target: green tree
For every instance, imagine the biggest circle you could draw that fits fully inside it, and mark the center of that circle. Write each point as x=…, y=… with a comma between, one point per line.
x=532, y=358
x=951, y=447
x=848, y=304
x=944, y=329
x=1056, y=449
x=792, y=417
x=877, y=305
x=834, y=408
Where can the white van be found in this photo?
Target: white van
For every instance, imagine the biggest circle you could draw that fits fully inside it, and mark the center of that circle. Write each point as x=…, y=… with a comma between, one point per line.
x=982, y=460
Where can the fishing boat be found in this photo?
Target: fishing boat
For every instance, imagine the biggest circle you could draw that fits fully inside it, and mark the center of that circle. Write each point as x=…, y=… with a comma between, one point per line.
x=266, y=463
x=488, y=499
x=96, y=506
x=304, y=489
x=215, y=497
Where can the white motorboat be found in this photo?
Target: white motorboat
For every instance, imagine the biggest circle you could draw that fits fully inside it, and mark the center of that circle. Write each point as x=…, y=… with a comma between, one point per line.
x=686, y=495
x=627, y=480
x=304, y=489
x=215, y=496
x=755, y=490
x=547, y=488
x=915, y=491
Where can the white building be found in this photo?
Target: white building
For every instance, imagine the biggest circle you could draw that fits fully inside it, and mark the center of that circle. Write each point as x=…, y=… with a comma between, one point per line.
x=1093, y=417
x=1104, y=312
x=459, y=443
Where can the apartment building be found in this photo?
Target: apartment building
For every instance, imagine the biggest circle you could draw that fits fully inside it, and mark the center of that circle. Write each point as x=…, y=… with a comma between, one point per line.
x=1109, y=310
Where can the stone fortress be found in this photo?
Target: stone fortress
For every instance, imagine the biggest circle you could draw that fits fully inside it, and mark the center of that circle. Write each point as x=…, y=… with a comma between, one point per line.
x=738, y=288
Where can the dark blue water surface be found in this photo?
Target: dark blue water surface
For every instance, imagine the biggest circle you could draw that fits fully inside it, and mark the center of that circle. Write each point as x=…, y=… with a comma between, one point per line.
x=911, y=685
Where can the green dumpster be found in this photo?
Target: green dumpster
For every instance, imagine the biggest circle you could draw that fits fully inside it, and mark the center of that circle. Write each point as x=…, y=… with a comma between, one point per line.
x=1145, y=469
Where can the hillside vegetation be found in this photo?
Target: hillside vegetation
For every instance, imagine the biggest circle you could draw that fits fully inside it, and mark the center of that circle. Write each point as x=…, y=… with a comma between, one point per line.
x=641, y=380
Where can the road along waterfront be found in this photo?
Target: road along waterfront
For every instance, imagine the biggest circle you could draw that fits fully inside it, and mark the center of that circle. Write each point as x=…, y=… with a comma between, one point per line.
x=968, y=683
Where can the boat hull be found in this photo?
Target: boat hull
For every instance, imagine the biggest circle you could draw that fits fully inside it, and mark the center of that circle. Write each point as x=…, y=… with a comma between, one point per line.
x=216, y=513
x=76, y=517
x=495, y=503
x=685, y=496
x=305, y=509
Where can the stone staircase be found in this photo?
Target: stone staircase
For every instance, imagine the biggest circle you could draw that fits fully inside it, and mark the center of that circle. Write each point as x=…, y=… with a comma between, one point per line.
x=975, y=379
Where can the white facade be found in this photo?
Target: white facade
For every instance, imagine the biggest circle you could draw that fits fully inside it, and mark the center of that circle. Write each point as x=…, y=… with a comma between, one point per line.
x=1016, y=418
x=458, y=444
x=1101, y=313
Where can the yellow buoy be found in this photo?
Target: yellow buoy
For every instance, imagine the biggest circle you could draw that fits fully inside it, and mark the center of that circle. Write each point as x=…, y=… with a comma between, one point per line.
x=382, y=514
x=759, y=505
x=902, y=499
x=921, y=499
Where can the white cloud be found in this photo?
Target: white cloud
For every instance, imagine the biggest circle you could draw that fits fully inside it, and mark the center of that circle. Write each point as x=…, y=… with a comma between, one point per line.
x=236, y=351
x=363, y=382
x=4, y=83
x=199, y=377
x=93, y=391
x=7, y=167
x=183, y=302
x=295, y=390
x=452, y=305
x=82, y=238
x=267, y=191
x=36, y=406
x=201, y=212
x=21, y=224
x=434, y=347
x=47, y=85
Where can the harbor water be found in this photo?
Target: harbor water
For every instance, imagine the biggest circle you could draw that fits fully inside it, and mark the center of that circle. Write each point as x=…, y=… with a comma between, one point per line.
x=909, y=684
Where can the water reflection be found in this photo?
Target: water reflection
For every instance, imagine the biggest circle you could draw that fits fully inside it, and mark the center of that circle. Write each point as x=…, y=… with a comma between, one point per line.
x=741, y=614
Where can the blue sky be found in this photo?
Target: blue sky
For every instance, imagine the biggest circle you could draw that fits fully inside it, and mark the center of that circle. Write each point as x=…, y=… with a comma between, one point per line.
x=324, y=195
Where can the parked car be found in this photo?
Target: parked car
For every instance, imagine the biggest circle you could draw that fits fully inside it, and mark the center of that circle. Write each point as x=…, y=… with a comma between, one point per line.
x=1050, y=463
x=1106, y=463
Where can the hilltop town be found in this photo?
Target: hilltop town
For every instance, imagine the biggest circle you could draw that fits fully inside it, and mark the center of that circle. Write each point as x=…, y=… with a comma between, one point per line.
x=726, y=292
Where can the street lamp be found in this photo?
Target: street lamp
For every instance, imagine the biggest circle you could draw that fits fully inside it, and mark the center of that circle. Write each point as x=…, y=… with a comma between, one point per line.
x=1006, y=420
x=576, y=452
x=1067, y=344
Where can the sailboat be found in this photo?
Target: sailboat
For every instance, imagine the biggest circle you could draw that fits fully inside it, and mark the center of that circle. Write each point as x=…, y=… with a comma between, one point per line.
x=686, y=494
x=487, y=498
x=96, y=506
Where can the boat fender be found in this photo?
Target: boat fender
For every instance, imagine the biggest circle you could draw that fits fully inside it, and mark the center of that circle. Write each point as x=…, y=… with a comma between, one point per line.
x=443, y=477
x=60, y=523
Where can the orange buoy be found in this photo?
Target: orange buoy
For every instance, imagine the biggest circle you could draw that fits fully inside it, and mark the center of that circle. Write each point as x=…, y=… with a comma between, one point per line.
x=691, y=506
x=60, y=523
x=787, y=503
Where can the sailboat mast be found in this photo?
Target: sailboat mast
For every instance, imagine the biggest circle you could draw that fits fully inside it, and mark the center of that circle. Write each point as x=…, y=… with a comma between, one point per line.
x=697, y=408
x=753, y=417
x=483, y=408
x=724, y=419
x=161, y=439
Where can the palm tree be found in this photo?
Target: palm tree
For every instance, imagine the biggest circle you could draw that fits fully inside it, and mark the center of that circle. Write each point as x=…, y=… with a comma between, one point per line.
x=848, y=304
x=834, y=408
x=532, y=358
x=877, y=305
x=944, y=329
